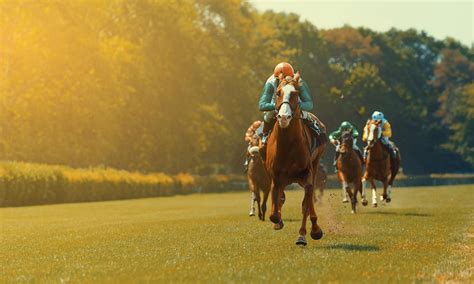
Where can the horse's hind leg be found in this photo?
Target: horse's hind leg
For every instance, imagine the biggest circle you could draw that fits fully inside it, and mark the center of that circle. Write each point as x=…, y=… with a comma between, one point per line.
x=387, y=190
x=264, y=203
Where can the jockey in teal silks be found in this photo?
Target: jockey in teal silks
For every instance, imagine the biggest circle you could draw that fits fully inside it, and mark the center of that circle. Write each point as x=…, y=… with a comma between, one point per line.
x=267, y=101
x=335, y=136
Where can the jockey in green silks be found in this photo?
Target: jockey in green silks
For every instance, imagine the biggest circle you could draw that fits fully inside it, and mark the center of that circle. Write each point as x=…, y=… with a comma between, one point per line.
x=335, y=137
x=267, y=101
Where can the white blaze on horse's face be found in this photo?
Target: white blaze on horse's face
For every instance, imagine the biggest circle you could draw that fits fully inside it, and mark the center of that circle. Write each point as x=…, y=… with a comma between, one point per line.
x=285, y=114
x=371, y=133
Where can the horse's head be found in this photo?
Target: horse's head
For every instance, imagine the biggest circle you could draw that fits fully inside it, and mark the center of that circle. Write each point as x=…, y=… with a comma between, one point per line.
x=346, y=141
x=287, y=103
x=374, y=128
x=254, y=152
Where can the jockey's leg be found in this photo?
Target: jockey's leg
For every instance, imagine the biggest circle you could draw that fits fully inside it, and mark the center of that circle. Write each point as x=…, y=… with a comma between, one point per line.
x=269, y=120
x=311, y=122
x=358, y=151
x=391, y=150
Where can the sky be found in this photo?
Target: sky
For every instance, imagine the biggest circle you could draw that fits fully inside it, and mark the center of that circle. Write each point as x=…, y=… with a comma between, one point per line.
x=439, y=19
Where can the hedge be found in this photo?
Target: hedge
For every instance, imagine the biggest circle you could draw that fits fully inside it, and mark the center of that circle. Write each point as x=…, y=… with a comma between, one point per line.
x=33, y=184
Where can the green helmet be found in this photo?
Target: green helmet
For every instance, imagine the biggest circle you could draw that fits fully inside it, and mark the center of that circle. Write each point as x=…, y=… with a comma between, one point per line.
x=345, y=125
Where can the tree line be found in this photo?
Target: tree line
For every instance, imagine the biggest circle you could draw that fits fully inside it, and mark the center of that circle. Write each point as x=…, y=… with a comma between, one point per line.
x=173, y=85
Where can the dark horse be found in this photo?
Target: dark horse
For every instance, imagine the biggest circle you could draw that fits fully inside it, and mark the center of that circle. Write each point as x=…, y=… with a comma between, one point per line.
x=290, y=159
x=258, y=179
x=349, y=169
x=378, y=166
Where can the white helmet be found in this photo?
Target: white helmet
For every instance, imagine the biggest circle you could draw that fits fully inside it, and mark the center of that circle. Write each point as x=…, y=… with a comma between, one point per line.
x=377, y=115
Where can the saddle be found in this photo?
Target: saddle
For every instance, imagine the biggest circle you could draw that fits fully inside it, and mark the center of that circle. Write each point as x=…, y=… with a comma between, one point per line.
x=316, y=132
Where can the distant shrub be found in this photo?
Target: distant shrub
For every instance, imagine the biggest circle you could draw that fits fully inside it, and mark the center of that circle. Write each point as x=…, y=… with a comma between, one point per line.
x=30, y=184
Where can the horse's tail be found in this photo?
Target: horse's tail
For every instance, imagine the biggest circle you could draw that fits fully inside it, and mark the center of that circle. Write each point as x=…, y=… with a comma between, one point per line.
x=252, y=130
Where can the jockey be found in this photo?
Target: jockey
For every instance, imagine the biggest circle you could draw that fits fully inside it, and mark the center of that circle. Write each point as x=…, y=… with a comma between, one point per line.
x=267, y=100
x=386, y=134
x=335, y=137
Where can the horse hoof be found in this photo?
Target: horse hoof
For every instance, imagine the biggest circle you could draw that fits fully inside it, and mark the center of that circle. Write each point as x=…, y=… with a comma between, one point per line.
x=345, y=200
x=353, y=211
x=251, y=214
x=365, y=202
x=301, y=241
x=278, y=226
x=381, y=198
x=317, y=235
x=388, y=200
x=374, y=205
x=275, y=219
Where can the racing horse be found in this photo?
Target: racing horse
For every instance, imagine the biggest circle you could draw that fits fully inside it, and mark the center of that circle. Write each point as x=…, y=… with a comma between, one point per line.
x=257, y=176
x=289, y=158
x=378, y=166
x=349, y=170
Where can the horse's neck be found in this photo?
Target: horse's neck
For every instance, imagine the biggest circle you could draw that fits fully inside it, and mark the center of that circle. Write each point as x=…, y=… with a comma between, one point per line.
x=376, y=152
x=290, y=135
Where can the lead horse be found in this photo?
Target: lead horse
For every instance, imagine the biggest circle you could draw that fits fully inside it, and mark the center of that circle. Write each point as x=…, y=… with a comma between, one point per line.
x=378, y=165
x=290, y=159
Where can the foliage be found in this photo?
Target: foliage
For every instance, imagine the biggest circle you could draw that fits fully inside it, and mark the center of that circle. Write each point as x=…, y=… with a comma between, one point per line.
x=170, y=86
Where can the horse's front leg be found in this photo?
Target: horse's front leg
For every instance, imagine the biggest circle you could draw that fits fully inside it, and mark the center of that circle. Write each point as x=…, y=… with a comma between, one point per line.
x=345, y=187
x=316, y=232
x=252, y=197
x=275, y=215
x=374, y=193
x=257, y=198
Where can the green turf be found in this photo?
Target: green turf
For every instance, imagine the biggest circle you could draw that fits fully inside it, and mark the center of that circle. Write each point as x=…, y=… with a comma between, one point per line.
x=425, y=234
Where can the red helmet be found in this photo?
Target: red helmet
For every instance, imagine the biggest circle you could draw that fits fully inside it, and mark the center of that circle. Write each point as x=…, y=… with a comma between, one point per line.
x=283, y=68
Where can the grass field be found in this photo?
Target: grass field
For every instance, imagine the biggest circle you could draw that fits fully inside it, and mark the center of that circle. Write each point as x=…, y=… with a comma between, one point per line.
x=425, y=234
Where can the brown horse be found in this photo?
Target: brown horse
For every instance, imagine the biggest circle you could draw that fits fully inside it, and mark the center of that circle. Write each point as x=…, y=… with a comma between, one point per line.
x=258, y=178
x=349, y=170
x=289, y=158
x=378, y=164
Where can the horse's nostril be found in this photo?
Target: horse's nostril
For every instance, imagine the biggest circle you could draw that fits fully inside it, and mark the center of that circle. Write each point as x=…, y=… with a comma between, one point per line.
x=289, y=117
x=279, y=116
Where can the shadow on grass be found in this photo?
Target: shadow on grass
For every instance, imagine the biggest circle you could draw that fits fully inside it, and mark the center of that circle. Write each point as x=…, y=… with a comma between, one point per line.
x=399, y=214
x=352, y=247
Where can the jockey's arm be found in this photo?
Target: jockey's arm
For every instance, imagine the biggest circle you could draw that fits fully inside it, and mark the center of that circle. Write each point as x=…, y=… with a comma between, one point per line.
x=265, y=102
x=355, y=133
x=334, y=136
x=306, y=102
x=366, y=132
x=387, y=130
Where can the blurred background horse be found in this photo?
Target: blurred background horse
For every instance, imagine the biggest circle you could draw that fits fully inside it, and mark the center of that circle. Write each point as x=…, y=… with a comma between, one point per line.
x=378, y=166
x=257, y=175
x=349, y=170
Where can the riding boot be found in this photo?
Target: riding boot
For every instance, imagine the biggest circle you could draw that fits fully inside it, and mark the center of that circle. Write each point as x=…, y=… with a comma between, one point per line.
x=267, y=128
